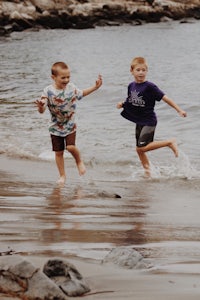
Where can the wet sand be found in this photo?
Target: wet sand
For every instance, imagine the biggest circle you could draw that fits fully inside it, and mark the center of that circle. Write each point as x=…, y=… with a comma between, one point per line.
x=86, y=219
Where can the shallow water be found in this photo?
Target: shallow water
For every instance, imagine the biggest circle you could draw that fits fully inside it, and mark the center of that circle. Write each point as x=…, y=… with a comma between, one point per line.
x=86, y=218
x=105, y=139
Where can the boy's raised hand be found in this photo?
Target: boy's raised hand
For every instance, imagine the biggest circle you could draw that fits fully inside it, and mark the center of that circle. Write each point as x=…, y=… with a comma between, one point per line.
x=99, y=81
x=40, y=105
x=182, y=113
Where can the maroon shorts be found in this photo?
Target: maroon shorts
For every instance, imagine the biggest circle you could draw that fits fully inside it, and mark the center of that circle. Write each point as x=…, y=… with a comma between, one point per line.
x=60, y=143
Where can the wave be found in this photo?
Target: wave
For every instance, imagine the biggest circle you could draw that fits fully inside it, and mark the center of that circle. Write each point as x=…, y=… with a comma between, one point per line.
x=116, y=169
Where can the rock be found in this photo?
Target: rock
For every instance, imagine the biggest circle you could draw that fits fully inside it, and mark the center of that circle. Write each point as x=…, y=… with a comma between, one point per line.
x=20, y=278
x=66, y=276
x=104, y=194
x=4, y=31
x=44, y=4
x=125, y=257
x=88, y=14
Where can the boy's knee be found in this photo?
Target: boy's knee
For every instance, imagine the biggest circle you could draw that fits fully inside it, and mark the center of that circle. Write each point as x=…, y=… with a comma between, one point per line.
x=139, y=150
x=70, y=148
x=59, y=153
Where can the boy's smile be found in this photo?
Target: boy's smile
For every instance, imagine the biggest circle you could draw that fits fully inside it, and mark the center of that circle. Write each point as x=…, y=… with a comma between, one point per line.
x=62, y=78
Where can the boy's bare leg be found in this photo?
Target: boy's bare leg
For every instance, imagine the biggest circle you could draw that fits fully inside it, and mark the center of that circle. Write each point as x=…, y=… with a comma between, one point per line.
x=59, y=157
x=145, y=162
x=173, y=146
x=153, y=146
x=160, y=144
x=77, y=156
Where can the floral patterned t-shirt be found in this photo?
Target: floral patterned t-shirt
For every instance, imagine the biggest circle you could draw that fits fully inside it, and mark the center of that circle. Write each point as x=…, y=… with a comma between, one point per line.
x=62, y=107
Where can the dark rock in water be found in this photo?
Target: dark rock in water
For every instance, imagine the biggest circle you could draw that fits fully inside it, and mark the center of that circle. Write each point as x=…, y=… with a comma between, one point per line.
x=105, y=194
x=20, y=278
x=126, y=257
x=66, y=276
x=117, y=196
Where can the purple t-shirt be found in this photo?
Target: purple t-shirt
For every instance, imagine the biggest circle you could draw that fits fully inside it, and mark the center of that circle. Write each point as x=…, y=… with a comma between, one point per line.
x=139, y=105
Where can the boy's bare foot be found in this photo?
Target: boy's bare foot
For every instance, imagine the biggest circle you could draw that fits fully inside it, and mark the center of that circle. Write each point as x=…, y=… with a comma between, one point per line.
x=173, y=146
x=147, y=173
x=81, y=168
x=61, y=180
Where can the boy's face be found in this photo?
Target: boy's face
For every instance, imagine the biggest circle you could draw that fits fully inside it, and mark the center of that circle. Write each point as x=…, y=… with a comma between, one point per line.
x=139, y=72
x=62, y=78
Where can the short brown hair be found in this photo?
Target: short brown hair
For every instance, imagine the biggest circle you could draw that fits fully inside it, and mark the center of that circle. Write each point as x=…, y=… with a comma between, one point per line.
x=55, y=66
x=138, y=60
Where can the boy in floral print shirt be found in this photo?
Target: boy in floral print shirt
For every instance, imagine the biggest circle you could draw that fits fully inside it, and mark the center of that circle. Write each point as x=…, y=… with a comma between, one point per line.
x=61, y=97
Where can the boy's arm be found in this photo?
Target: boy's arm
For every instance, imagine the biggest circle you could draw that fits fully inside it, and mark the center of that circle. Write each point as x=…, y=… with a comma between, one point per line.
x=170, y=102
x=91, y=89
x=41, y=105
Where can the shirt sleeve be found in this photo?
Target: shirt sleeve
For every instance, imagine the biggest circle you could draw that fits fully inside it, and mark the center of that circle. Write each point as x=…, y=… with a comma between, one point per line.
x=44, y=96
x=78, y=92
x=157, y=93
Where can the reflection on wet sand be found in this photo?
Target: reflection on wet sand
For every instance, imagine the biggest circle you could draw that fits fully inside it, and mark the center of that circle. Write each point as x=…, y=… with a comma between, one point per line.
x=84, y=218
x=58, y=208
x=40, y=218
x=88, y=220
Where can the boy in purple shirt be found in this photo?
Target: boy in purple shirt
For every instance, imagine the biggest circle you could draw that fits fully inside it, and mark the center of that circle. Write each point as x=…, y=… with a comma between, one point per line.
x=139, y=108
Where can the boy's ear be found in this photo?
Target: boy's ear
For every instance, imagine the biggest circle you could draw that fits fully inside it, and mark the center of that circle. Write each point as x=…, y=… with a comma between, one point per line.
x=53, y=77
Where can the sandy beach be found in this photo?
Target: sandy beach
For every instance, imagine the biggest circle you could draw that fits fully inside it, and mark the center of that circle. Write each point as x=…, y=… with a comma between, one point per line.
x=108, y=282
x=112, y=205
x=174, y=255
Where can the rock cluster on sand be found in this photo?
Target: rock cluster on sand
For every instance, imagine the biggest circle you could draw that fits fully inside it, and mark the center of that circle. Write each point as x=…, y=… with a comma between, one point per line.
x=59, y=279
x=35, y=14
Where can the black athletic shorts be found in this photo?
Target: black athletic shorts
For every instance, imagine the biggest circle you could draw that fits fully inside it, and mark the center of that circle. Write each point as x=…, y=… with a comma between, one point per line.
x=60, y=143
x=144, y=135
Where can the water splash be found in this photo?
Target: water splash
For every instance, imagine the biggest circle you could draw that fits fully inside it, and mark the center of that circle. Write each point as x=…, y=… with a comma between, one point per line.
x=183, y=167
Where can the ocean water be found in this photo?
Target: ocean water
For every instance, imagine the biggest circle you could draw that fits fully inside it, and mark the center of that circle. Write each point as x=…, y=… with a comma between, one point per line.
x=159, y=214
x=105, y=139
